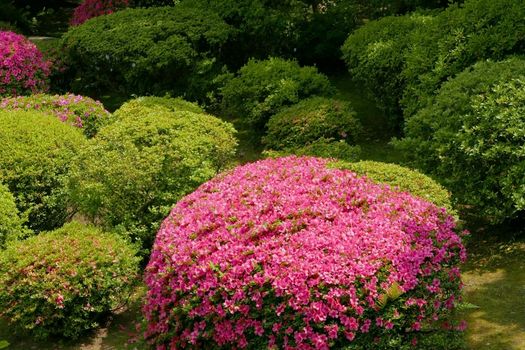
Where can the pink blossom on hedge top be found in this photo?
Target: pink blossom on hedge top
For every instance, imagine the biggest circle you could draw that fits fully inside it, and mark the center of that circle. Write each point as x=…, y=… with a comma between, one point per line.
x=94, y=8
x=23, y=69
x=78, y=111
x=286, y=253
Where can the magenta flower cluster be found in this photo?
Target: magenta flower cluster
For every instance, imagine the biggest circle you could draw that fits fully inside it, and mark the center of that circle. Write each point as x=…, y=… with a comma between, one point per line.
x=23, y=70
x=94, y=8
x=291, y=254
x=78, y=111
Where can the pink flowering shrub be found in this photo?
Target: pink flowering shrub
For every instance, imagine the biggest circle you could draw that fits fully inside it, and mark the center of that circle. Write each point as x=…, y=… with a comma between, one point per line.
x=94, y=8
x=290, y=254
x=23, y=70
x=79, y=111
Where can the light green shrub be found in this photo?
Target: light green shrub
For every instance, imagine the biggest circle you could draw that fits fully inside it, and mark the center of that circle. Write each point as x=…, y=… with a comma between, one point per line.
x=10, y=221
x=137, y=105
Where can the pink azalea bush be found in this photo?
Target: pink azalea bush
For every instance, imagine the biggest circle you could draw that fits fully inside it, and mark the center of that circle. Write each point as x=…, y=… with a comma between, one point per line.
x=290, y=254
x=94, y=8
x=23, y=69
x=78, y=111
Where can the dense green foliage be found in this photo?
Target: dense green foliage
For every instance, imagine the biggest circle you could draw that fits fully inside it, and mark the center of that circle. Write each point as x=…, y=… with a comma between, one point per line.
x=311, y=120
x=471, y=137
x=323, y=147
x=10, y=221
x=137, y=168
x=262, y=88
x=403, y=179
x=375, y=54
x=146, y=51
x=458, y=38
x=63, y=283
x=137, y=105
x=36, y=153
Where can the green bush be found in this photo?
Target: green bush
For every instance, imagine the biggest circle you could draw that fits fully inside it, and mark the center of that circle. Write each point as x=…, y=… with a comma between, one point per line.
x=36, y=153
x=10, y=221
x=404, y=179
x=325, y=148
x=375, y=56
x=137, y=106
x=471, y=138
x=146, y=51
x=262, y=88
x=310, y=120
x=137, y=168
x=458, y=38
x=63, y=283
x=78, y=111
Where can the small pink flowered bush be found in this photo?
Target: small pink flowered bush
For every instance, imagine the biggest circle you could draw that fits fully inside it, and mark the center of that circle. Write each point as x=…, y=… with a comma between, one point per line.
x=289, y=254
x=23, y=70
x=94, y=8
x=78, y=111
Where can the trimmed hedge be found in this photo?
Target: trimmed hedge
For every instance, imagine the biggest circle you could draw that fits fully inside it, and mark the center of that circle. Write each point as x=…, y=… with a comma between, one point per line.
x=136, y=106
x=146, y=51
x=138, y=167
x=261, y=89
x=10, y=221
x=471, y=138
x=311, y=120
x=288, y=253
x=35, y=157
x=79, y=111
x=64, y=283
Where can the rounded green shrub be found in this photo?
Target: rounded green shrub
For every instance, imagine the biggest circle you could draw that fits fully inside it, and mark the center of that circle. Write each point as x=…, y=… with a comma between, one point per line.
x=402, y=179
x=262, y=88
x=311, y=120
x=471, y=138
x=78, y=111
x=10, y=221
x=459, y=37
x=375, y=57
x=137, y=168
x=64, y=282
x=324, y=148
x=37, y=151
x=136, y=106
x=145, y=51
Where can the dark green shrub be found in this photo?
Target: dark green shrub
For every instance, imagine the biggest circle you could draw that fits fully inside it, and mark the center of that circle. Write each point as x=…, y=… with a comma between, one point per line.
x=471, y=138
x=136, y=106
x=375, y=56
x=146, y=51
x=10, y=222
x=325, y=148
x=137, y=168
x=262, y=88
x=458, y=38
x=63, y=283
x=36, y=153
x=310, y=120
x=402, y=179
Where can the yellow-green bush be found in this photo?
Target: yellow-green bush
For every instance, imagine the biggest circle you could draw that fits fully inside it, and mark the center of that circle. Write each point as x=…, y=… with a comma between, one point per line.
x=10, y=222
x=136, y=106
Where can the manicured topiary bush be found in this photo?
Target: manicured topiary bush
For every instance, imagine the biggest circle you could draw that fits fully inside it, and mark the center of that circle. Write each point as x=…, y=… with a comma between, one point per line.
x=459, y=37
x=35, y=156
x=137, y=168
x=323, y=147
x=311, y=120
x=262, y=88
x=291, y=254
x=375, y=57
x=22, y=68
x=402, y=179
x=93, y=8
x=471, y=138
x=150, y=51
x=79, y=111
x=10, y=222
x=63, y=283
x=134, y=108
